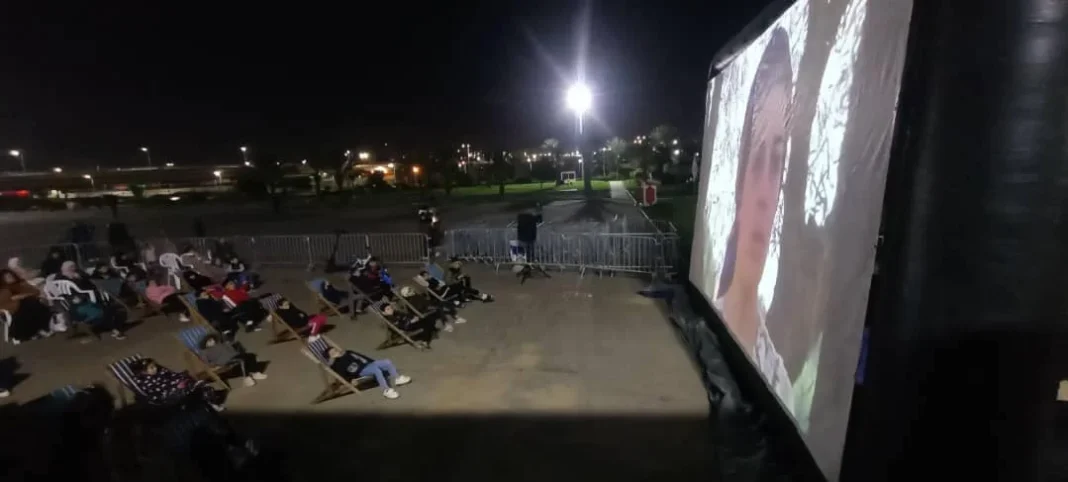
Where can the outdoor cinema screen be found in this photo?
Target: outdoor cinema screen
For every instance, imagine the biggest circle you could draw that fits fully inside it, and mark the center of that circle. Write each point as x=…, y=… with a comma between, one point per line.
x=797, y=135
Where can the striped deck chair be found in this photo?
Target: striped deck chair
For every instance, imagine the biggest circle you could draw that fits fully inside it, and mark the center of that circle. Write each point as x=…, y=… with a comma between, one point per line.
x=411, y=308
x=335, y=385
x=281, y=331
x=395, y=336
x=438, y=274
x=200, y=369
x=320, y=301
x=121, y=371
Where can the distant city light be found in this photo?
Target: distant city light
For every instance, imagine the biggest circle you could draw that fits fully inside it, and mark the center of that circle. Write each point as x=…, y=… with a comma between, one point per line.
x=175, y=198
x=169, y=164
x=391, y=165
x=348, y=153
x=248, y=164
x=365, y=156
x=304, y=162
x=14, y=152
x=144, y=149
x=415, y=169
x=86, y=176
x=217, y=173
x=57, y=170
x=244, y=149
x=675, y=142
x=677, y=152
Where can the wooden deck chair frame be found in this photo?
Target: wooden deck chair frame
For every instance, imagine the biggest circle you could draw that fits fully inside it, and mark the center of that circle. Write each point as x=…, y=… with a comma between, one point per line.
x=334, y=385
x=392, y=330
x=120, y=371
x=447, y=297
x=320, y=301
x=197, y=366
x=281, y=331
x=194, y=314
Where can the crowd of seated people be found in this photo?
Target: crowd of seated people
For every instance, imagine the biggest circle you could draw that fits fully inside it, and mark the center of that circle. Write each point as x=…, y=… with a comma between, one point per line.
x=95, y=311
x=30, y=316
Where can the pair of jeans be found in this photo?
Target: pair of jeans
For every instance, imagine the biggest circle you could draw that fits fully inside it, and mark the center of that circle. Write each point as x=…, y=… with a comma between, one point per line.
x=380, y=369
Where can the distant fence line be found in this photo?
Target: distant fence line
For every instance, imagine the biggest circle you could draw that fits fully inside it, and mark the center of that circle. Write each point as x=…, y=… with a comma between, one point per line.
x=600, y=252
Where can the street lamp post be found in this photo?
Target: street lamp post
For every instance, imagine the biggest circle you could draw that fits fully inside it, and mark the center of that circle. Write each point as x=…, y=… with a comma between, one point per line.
x=147, y=155
x=92, y=183
x=19, y=155
x=579, y=99
x=244, y=155
x=218, y=177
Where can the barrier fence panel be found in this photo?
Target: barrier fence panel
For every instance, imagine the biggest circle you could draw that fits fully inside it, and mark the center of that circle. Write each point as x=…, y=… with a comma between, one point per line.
x=638, y=253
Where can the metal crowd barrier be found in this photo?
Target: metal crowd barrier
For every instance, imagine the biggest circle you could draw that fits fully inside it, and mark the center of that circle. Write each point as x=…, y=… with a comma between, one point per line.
x=602, y=252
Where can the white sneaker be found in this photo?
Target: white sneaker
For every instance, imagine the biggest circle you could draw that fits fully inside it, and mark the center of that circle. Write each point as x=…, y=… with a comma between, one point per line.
x=460, y=320
x=259, y=376
x=402, y=380
x=447, y=328
x=217, y=408
x=15, y=341
x=5, y=393
x=184, y=318
x=313, y=338
x=116, y=334
x=390, y=393
x=44, y=333
x=249, y=382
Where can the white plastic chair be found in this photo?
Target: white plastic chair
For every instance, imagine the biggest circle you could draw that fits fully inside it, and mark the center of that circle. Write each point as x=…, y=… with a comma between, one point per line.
x=59, y=289
x=173, y=264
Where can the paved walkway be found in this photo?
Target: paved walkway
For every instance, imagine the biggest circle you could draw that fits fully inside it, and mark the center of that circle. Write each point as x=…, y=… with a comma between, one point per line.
x=618, y=190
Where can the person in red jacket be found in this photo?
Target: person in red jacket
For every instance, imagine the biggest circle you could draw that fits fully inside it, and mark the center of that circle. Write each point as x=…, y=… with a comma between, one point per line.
x=248, y=310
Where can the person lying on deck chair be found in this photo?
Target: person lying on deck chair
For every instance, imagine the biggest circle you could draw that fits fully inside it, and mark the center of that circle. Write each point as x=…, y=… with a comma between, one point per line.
x=168, y=299
x=336, y=297
x=409, y=323
x=249, y=311
x=164, y=386
x=217, y=314
x=424, y=303
x=217, y=352
x=351, y=365
x=454, y=276
x=236, y=271
x=298, y=319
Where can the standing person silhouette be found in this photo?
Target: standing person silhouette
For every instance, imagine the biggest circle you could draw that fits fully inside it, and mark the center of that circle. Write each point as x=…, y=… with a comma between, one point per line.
x=761, y=164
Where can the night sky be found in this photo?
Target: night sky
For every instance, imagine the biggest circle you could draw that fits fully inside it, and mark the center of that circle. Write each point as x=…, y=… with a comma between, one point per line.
x=90, y=85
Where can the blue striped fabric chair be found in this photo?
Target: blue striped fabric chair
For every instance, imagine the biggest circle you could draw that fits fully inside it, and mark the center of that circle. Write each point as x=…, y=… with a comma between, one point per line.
x=122, y=373
x=190, y=339
x=189, y=299
x=335, y=384
x=395, y=336
x=281, y=331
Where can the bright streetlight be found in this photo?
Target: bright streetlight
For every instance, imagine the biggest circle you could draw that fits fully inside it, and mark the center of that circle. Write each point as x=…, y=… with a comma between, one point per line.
x=580, y=99
x=365, y=156
x=91, y=181
x=415, y=169
x=169, y=164
x=57, y=170
x=147, y=155
x=217, y=173
x=304, y=162
x=218, y=177
x=18, y=154
x=677, y=152
x=244, y=155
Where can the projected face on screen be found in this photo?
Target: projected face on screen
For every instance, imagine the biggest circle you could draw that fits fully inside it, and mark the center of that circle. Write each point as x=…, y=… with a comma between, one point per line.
x=791, y=184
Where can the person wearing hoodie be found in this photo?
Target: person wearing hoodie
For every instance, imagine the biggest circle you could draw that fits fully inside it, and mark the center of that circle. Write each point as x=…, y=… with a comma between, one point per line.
x=351, y=365
x=29, y=315
x=298, y=319
x=53, y=262
x=217, y=353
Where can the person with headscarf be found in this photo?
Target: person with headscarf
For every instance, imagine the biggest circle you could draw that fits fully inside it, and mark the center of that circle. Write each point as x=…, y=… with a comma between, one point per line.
x=29, y=315
x=69, y=271
x=52, y=263
x=30, y=276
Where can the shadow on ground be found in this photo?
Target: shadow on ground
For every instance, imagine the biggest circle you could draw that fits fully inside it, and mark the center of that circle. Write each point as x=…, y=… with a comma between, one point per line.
x=387, y=447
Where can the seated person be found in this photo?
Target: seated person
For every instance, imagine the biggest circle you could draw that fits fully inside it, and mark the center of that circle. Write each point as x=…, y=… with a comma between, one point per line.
x=426, y=304
x=410, y=323
x=246, y=309
x=124, y=261
x=351, y=365
x=376, y=272
x=455, y=276
x=450, y=294
x=69, y=271
x=163, y=386
x=30, y=276
x=218, y=353
x=298, y=319
x=167, y=298
x=52, y=264
x=236, y=271
x=216, y=313
x=369, y=285
x=110, y=281
x=98, y=316
x=334, y=295
x=30, y=316
x=195, y=279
